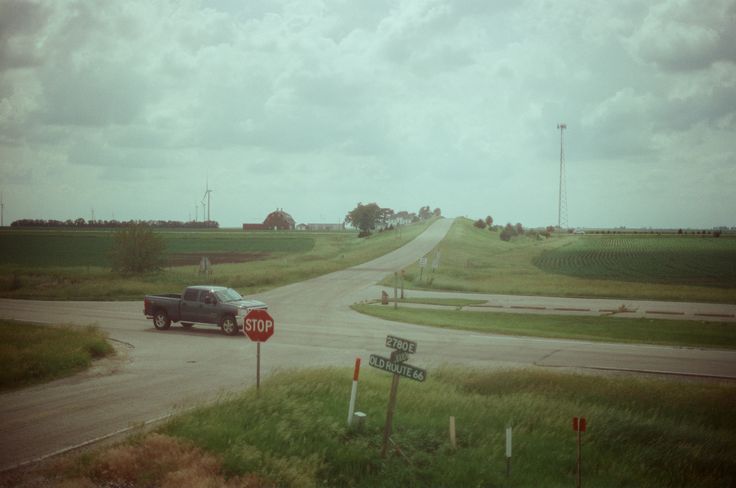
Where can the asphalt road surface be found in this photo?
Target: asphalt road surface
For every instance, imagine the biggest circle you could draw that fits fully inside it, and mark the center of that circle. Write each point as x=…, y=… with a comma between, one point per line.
x=158, y=373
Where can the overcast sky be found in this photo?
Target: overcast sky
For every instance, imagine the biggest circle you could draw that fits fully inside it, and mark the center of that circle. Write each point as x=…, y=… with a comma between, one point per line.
x=313, y=106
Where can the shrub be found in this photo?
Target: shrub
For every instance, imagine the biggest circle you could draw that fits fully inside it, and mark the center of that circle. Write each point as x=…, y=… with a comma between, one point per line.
x=480, y=223
x=137, y=249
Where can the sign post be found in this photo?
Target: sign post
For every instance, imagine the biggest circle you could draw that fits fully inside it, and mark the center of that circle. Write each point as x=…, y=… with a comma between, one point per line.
x=422, y=264
x=508, y=452
x=258, y=326
x=579, y=426
x=395, y=364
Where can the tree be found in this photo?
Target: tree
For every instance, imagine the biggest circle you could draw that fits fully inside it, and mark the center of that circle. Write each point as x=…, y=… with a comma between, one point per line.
x=367, y=217
x=489, y=221
x=480, y=223
x=437, y=212
x=424, y=213
x=137, y=249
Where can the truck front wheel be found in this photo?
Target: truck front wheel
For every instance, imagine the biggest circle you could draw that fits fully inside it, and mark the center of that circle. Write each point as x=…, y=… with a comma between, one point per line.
x=161, y=320
x=229, y=325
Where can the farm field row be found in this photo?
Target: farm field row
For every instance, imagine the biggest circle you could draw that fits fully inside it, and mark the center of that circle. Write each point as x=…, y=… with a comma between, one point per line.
x=63, y=265
x=677, y=268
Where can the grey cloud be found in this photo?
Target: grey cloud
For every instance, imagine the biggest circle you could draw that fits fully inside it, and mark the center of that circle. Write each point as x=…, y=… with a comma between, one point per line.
x=20, y=23
x=689, y=35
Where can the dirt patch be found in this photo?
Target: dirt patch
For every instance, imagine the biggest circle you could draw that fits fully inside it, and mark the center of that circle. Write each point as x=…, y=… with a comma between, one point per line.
x=194, y=258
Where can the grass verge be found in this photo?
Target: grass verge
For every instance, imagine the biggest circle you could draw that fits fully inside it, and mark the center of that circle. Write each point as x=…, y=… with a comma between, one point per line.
x=643, y=433
x=683, y=333
x=476, y=260
x=31, y=354
x=449, y=302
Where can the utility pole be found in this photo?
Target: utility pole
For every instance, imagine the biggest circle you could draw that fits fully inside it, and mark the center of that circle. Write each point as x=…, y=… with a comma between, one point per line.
x=2, y=210
x=562, y=202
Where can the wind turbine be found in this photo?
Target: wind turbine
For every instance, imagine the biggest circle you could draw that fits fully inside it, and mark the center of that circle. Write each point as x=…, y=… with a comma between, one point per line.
x=207, y=193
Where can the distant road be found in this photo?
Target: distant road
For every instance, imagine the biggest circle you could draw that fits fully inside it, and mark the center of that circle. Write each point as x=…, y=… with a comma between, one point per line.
x=160, y=372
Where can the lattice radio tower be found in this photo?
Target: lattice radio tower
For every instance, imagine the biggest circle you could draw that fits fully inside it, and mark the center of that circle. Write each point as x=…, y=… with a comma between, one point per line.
x=562, y=202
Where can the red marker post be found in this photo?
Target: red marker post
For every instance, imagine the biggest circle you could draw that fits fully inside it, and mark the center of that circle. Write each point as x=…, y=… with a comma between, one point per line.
x=579, y=426
x=354, y=391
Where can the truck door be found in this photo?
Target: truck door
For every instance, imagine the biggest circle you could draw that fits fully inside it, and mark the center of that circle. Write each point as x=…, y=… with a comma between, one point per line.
x=192, y=308
x=209, y=309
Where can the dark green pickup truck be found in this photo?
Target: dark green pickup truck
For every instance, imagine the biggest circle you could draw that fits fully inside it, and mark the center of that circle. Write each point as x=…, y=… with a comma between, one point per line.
x=203, y=304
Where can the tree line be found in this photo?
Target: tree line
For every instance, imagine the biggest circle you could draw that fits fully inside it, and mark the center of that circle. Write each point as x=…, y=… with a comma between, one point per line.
x=369, y=217
x=100, y=224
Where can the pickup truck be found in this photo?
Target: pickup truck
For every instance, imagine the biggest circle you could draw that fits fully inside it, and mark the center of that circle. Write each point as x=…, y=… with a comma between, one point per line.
x=202, y=304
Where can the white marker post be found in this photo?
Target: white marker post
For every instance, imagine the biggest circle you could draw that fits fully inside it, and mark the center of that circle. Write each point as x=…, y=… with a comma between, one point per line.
x=353, y=392
x=508, y=452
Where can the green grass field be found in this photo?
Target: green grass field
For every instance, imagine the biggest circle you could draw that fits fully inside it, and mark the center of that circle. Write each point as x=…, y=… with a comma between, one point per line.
x=683, y=333
x=668, y=259
x=31, y=354
x=679, y=268
x=65, y=265
x=641, y=433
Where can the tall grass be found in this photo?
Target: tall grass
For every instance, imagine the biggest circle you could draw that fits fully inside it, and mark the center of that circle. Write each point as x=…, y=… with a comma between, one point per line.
x=31, y=354
x=476, y=260
x=643, y=433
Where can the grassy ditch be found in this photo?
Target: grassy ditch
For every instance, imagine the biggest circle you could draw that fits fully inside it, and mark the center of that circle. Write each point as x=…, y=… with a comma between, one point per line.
x=31, y=354
x=683, y=333
x=280, y=258
x=644, y=433
x=679, y=268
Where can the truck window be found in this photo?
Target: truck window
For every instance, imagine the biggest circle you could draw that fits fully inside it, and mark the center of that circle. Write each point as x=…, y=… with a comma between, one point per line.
x=190, y=295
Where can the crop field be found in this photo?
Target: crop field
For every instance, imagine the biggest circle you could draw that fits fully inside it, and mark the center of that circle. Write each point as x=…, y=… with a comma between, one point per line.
x=679, y=268
x=686, y=260
x=75, y=265
x=39, y=248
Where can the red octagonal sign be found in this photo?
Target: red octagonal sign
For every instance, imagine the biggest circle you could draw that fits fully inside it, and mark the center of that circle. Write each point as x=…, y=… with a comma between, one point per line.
x=258, y=325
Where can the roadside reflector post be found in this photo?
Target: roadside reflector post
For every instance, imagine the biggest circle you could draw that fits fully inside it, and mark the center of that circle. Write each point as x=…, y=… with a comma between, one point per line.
x=579, y=426
x=353, y=392
x=508, y=452
x=453, y=439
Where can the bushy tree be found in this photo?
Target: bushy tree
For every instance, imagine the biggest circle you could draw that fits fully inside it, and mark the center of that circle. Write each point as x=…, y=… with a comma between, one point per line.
x=480, y=223
x=137, y=249
x=489, y=221
x=367, y=217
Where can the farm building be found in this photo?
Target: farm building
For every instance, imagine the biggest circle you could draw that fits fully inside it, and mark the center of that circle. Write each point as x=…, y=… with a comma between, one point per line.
x=276, y=220
x=321, y=227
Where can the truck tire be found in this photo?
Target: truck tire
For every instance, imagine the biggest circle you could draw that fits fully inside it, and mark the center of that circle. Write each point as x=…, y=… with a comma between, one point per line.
x=161, y=320
x=229, y=325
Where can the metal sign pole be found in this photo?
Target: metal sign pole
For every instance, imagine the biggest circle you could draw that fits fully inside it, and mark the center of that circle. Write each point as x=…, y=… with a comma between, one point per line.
x=390, y=413
x=258, y=366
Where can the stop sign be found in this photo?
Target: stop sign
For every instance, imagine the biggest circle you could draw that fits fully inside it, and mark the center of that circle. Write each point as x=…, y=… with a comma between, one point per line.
x=258, y=325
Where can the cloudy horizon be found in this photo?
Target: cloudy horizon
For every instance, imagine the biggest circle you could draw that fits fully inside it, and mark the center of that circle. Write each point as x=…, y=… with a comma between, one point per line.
x=129, y=108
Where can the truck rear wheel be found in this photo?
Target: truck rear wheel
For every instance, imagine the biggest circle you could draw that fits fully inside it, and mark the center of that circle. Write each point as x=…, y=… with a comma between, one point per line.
x=161, y=320
x=229, y=325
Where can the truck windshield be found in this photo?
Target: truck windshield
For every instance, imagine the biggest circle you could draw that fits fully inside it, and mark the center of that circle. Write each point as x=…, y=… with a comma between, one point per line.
x=228, y=295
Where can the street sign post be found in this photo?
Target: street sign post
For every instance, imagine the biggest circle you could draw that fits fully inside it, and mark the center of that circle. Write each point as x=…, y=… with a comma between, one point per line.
x=258, y=325
x=579, y=426
x=395, y=364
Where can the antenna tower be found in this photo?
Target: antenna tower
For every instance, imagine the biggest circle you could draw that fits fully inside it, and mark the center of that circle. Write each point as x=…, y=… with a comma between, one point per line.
x=562, y=202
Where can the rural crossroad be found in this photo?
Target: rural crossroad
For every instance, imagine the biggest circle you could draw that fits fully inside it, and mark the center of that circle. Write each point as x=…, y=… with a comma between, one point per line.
x=160, y=372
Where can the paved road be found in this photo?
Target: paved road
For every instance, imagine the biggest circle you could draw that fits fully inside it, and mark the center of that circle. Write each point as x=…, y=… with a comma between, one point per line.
x=160, y=372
